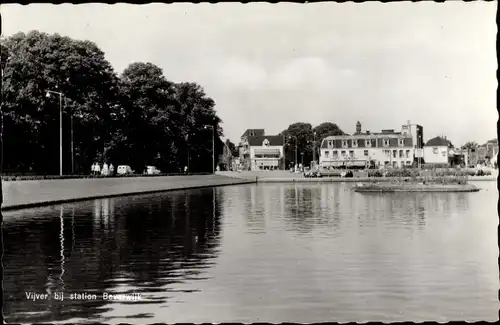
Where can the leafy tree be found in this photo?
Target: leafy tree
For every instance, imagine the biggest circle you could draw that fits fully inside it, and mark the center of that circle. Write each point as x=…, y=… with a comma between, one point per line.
x=470, y=145
x=197, y=118
x=38, y=62
x=324, y=130
x=327, y=129
x=305, y=136
x=146, y=124
x=139, y=118
x=298, y=136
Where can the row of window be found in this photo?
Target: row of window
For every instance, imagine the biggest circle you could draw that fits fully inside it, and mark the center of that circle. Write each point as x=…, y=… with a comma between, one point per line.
x=368, y=143
x=435, y=151
x=402, y=153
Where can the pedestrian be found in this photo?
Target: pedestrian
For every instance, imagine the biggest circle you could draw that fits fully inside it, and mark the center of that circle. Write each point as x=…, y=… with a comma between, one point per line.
x=97, y=169
x=92, y=169
x=111, y=169
x=185, y=169
x=105, y=170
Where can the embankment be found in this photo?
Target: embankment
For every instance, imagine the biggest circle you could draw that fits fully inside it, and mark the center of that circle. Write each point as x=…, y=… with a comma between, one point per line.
x=25, y=194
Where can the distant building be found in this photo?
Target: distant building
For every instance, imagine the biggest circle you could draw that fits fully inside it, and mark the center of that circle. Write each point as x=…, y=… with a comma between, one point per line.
x=261, y=152
x=365, y=149
x=484, y=154
x=436, y=151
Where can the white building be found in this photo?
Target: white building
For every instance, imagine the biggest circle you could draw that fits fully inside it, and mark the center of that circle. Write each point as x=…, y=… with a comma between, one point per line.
x=436, y=151
x=364, y=149
x=261, y=152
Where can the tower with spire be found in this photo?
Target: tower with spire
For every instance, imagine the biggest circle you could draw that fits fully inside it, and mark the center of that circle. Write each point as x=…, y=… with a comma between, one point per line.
x=358, y=128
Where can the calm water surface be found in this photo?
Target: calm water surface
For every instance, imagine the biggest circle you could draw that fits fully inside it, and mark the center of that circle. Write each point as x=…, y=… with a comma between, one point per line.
x=268, y=252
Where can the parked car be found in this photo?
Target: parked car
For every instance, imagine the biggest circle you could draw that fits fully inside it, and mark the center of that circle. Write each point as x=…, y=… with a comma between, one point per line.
x=124, y=170
x=152, y=170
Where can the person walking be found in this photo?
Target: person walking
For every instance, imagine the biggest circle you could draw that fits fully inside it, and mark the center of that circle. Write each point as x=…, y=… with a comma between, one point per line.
x=92, y=169
x=111, y=169
x=97, y=169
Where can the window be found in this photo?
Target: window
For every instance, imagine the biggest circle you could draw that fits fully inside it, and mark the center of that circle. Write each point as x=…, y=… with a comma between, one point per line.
x=351, y=153
x=354, y=143
x=401, y=142
x=408, y=162
x=407, y=154
x=386, y=142
x=386, y=163
x=344, y=143
x=330, y=144
x=366, y=152
x=394, y=153
x=368, y=143
x=400, y=153
x=335, y=153
x=327, y=153
x=387, y=153
x=435, y=151
x=343, y=153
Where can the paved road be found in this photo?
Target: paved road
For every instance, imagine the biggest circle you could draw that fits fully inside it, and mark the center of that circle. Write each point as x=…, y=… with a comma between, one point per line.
x=18, y=194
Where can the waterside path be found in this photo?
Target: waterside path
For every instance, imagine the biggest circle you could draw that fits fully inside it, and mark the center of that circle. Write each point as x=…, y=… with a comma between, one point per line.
x=25, y=194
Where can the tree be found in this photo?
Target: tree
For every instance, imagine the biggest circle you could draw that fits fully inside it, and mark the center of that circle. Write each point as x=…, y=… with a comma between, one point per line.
x=327, y=129
x=38, y=62
x=298, y=140
x=470, y=145
x=324, y=130
x=147, y=128
x=198, y=117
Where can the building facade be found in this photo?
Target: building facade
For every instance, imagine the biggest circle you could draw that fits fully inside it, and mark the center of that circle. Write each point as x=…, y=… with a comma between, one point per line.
x=366, y=149
x=436, y=151
x=261, y=152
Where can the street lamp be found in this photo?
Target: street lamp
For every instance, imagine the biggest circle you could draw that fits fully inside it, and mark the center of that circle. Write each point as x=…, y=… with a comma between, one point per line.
x=302, y=159
x=213, y=146
x=314, y=148
x=49, y=92
x=292, y=136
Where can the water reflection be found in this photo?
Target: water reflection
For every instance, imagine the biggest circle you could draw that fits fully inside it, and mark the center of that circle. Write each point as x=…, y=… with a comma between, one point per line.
x=294, y=252
x=149, y=244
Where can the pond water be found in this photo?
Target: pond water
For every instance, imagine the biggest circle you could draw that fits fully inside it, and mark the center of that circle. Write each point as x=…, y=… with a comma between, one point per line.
x=256, y=253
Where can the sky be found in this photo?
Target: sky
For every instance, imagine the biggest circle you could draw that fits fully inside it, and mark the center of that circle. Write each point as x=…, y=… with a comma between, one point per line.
x=270, y=65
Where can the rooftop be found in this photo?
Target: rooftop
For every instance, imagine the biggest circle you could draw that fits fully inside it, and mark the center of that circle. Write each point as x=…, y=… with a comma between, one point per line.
x=437, y=142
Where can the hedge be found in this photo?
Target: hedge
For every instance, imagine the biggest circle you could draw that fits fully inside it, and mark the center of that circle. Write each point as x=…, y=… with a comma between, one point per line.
x=417, y=173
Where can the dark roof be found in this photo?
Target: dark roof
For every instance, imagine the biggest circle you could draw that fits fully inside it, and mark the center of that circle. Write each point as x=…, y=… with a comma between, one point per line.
x=274, y=140
x=437, y=142
x=257, y=132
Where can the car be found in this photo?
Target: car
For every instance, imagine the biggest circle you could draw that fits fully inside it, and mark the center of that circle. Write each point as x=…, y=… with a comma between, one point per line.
x=152, y=170
x=124, y=170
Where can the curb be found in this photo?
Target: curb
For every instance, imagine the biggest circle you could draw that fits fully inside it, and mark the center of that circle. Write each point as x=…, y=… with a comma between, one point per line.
x=87, y=198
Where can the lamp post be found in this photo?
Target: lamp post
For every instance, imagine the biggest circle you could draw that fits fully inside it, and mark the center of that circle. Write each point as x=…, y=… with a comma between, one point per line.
x=213, y=146
x=290, y=137
x=314, y=148
x=302, y=159
x=49, y=92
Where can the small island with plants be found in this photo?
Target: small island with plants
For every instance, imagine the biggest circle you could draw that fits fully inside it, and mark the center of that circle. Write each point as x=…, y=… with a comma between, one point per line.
x=435, y=183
